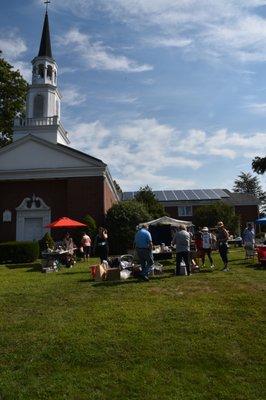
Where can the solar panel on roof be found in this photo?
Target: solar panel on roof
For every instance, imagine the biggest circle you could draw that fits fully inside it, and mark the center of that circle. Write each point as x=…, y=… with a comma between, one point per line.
x=159, y=195
x=169, y=194
x=190, y=194
x=221, y=193
x=180, y=195
x=201, y=194
x=211, y=194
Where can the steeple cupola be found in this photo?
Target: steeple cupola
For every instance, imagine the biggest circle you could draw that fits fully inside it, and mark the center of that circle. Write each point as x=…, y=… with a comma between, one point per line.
x=43, y=97
x=44, y=66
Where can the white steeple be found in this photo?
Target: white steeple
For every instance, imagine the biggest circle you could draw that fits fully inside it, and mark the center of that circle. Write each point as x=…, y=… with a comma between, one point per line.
x=43, y=97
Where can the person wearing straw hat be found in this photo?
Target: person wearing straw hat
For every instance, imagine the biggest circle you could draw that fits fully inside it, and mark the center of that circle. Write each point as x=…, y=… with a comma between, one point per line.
x=207, y=242
x=222, y=241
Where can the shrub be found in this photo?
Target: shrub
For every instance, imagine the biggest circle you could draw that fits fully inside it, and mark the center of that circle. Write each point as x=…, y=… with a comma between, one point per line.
x=46, y=241
x=19, y=252
x=121, y=220
x=209, y=216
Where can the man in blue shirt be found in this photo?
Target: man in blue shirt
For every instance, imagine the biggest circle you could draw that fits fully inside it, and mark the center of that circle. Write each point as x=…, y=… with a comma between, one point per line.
x=143, y=245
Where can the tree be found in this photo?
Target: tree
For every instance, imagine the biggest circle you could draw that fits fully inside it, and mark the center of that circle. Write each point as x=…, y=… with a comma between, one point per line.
x=13, y=89
x=246, y=183
x=211, y=214
x=147, y=198
x=91, y=228
x=121, y=221
x=259, y=165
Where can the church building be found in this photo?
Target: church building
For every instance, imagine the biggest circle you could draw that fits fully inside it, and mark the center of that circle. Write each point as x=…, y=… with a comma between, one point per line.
x=41, y=177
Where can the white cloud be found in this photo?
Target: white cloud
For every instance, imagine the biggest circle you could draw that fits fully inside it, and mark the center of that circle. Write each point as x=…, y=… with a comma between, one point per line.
x=72, y=95
x=257, y=108
x=169, y=41
x=137, y=152
x=216, y=28
x=13, y=48
x=143, y=151
x=222, y=143
x=96, y=55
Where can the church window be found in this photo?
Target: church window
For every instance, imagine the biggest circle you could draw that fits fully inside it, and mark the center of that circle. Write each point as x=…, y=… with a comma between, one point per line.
x=49, y=72
x=57, y=107
x=41, y=70
x=38, y=106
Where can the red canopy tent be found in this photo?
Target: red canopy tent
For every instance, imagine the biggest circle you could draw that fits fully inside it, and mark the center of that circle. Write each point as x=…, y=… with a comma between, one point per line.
x=65, y=222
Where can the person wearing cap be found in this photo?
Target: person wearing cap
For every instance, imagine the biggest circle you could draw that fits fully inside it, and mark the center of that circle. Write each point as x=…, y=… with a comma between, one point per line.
x=207, y=242
x=143, y=246
x=182, y=241
x=222, y=241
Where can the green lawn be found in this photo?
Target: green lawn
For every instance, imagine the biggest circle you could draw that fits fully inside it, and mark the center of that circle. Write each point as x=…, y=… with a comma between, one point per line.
x=199, y=338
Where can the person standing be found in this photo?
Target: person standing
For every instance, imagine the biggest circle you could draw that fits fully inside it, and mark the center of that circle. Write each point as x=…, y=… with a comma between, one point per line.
x=101, y=247
x=198, y=244
x=222, y=242
x=143, y=246
x=68, y=244
x=207, y=243
x=86, y=245
x=249, y=240
x=182, y=241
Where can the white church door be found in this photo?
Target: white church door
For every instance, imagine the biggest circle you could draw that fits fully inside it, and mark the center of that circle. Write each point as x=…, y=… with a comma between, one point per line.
x=33, y=229
x=32, y=217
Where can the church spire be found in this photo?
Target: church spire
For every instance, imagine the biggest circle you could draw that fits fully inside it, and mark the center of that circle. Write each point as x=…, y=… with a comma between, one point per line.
x=45, y=45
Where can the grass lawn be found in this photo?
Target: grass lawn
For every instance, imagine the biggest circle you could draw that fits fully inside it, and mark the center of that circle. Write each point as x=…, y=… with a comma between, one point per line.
x=62, y=336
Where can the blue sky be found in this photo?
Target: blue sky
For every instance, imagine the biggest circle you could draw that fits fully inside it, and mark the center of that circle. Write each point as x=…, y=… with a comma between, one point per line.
x=170, y=93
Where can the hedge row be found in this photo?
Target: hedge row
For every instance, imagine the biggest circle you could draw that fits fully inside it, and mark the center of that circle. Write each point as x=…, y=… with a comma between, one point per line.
x=18, y=252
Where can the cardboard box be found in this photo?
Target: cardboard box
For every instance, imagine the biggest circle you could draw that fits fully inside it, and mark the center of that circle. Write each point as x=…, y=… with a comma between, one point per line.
x=100, y=273
x=112, y=274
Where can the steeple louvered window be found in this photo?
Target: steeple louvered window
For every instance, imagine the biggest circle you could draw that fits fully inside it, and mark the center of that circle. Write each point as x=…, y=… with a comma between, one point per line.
x=38, y=106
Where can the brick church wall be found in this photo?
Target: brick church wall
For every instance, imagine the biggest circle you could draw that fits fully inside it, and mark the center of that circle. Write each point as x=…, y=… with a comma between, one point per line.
x=72, y=197
x=109, y=198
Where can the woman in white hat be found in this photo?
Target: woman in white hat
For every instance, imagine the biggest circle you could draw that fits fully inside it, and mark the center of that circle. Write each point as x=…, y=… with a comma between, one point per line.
x=207, y=242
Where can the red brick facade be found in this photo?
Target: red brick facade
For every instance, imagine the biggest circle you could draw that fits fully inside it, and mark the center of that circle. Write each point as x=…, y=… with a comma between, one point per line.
x=72, y=197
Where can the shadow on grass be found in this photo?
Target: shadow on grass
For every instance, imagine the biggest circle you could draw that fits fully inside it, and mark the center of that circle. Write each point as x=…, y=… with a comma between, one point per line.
x=33, y=270
x=127, y=282
x=35, y=266
x=256, y=266
x=71, y=272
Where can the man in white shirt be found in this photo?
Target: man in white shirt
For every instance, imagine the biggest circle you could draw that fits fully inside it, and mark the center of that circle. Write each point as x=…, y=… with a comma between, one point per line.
x=207, y=242
x=182, y=241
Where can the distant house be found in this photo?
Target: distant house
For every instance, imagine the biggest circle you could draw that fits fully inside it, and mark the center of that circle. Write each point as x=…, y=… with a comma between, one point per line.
x=181, y=204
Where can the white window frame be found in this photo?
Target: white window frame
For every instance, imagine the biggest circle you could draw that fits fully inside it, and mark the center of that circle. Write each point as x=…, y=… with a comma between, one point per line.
x=185, y=211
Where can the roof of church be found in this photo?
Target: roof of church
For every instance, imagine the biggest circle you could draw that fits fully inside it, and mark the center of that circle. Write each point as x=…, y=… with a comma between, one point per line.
x=70, y=149
x=45, y=45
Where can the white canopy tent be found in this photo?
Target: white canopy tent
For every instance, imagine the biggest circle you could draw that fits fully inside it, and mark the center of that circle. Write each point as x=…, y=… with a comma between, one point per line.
x=167, y=221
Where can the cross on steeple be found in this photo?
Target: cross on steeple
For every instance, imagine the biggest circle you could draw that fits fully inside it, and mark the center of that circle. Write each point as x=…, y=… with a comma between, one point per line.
x=47, y=2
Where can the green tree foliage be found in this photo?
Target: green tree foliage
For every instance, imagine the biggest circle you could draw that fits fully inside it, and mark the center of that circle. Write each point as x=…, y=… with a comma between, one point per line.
x=259, y=165
x=147, y=198
x=246, y=183
x=91, y=228
x=211, y=214
x=121, y=221
x=13, y=89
